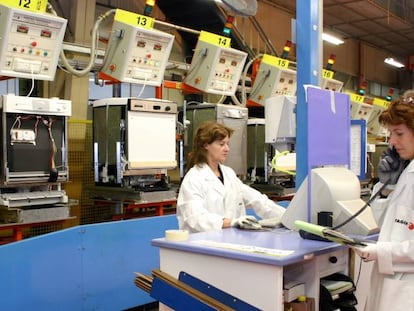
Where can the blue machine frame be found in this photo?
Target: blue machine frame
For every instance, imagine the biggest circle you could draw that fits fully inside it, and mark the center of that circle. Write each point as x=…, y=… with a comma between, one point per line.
x=362, y=140
x=89, y=267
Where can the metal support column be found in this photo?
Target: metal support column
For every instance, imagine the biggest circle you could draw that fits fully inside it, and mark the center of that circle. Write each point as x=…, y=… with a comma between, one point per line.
x=309, y=67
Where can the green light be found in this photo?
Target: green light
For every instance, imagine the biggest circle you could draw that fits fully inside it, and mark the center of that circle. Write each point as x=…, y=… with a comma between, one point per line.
x=226, y=31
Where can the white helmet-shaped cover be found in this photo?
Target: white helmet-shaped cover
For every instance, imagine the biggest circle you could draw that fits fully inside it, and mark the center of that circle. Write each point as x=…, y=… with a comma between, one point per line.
x=242, y=7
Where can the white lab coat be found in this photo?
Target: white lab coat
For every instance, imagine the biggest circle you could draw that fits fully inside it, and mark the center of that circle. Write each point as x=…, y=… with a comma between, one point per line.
x=203, y=200
x=392, y=280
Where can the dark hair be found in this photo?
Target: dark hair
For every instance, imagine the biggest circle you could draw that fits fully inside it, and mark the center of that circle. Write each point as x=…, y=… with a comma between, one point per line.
x=400, y=111
x=206, y=133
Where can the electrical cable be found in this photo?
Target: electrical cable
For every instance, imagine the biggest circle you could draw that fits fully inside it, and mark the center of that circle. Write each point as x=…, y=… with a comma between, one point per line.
x=197, y=62
x=221, y=99
x=104, y=173
x=143, y=87
x=33, y=82
x=359, y=273
x=260, y=84
x=94, y=41
x=244, y=75
x=53, y=175
x=16, y=122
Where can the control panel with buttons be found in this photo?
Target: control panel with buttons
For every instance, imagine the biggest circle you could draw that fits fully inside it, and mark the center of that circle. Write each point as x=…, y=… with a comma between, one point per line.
x=137, y=55
x=11, y=103
x=215, y=69
x=30, y=43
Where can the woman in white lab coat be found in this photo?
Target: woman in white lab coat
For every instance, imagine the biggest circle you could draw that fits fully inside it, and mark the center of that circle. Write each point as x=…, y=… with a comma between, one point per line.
x=211, y=196
x=392, y=280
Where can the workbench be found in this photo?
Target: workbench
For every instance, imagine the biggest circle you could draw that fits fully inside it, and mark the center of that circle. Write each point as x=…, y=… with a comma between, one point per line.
x=128, y=209
x=252, y=265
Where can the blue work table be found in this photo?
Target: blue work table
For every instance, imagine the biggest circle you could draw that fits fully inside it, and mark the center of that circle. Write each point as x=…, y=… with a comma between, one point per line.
x=252, y=265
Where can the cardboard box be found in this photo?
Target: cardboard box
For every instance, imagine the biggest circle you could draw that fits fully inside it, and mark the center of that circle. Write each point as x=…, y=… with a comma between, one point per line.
x=308, y=305
x=292, y=290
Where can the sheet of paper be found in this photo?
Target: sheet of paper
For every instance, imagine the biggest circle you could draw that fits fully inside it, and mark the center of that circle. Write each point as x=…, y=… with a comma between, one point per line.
x=356, y=149
x=246, y=248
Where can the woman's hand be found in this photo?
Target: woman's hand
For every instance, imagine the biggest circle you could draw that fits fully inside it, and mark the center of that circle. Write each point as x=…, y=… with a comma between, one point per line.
x=367, y=253
x=226, y=223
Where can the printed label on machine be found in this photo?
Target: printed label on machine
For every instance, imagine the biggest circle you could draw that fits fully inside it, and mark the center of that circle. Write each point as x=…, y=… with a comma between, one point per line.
x=134, y=19
x=214, y=39
x=275, y=61
x=30, y=5
x=356, y=98
x=327, y=74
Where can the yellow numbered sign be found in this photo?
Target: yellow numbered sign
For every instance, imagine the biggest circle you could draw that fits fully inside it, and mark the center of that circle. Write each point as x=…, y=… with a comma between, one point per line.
x=214, y=39
x=356, y=98
x=30, y=5
x=327, y=74
x=381, y=103
x=275, y=61
x=134, y=19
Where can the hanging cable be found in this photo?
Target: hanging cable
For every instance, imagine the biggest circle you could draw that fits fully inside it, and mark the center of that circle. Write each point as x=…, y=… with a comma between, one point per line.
x=243, y=81
x=94, y=40
x=32, y=82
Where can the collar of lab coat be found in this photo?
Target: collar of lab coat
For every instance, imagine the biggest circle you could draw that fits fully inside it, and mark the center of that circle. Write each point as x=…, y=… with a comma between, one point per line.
x=214, y=181
x=410, y=167
x=403, y=179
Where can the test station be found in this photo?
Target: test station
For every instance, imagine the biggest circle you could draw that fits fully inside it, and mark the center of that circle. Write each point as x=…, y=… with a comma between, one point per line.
x=99, y=103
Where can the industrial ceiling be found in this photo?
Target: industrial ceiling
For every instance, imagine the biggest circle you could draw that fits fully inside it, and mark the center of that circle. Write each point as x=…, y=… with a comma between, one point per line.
x=385, y=24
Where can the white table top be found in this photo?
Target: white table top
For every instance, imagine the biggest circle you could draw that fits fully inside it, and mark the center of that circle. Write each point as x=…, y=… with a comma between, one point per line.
x=268, y=247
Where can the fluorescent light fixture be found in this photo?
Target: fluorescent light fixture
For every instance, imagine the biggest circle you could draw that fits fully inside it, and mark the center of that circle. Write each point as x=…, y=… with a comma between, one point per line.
x=391, y=61
x=331, y=39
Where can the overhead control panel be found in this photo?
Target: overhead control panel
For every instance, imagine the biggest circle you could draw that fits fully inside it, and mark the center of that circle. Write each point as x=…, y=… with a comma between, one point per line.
x=374, y=127
x=136, y=53
x=273, y=78
x=215, y=67
x=30, y=43
x=359, y=109
x=329, y=83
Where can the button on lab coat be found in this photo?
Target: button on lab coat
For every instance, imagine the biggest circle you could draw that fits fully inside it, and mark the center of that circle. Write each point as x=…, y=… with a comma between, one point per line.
x=203, y=200
x=392, y=279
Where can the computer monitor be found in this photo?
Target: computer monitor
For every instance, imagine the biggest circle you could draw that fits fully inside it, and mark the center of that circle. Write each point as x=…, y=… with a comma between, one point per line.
x=335, y=190
x=280, y=119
